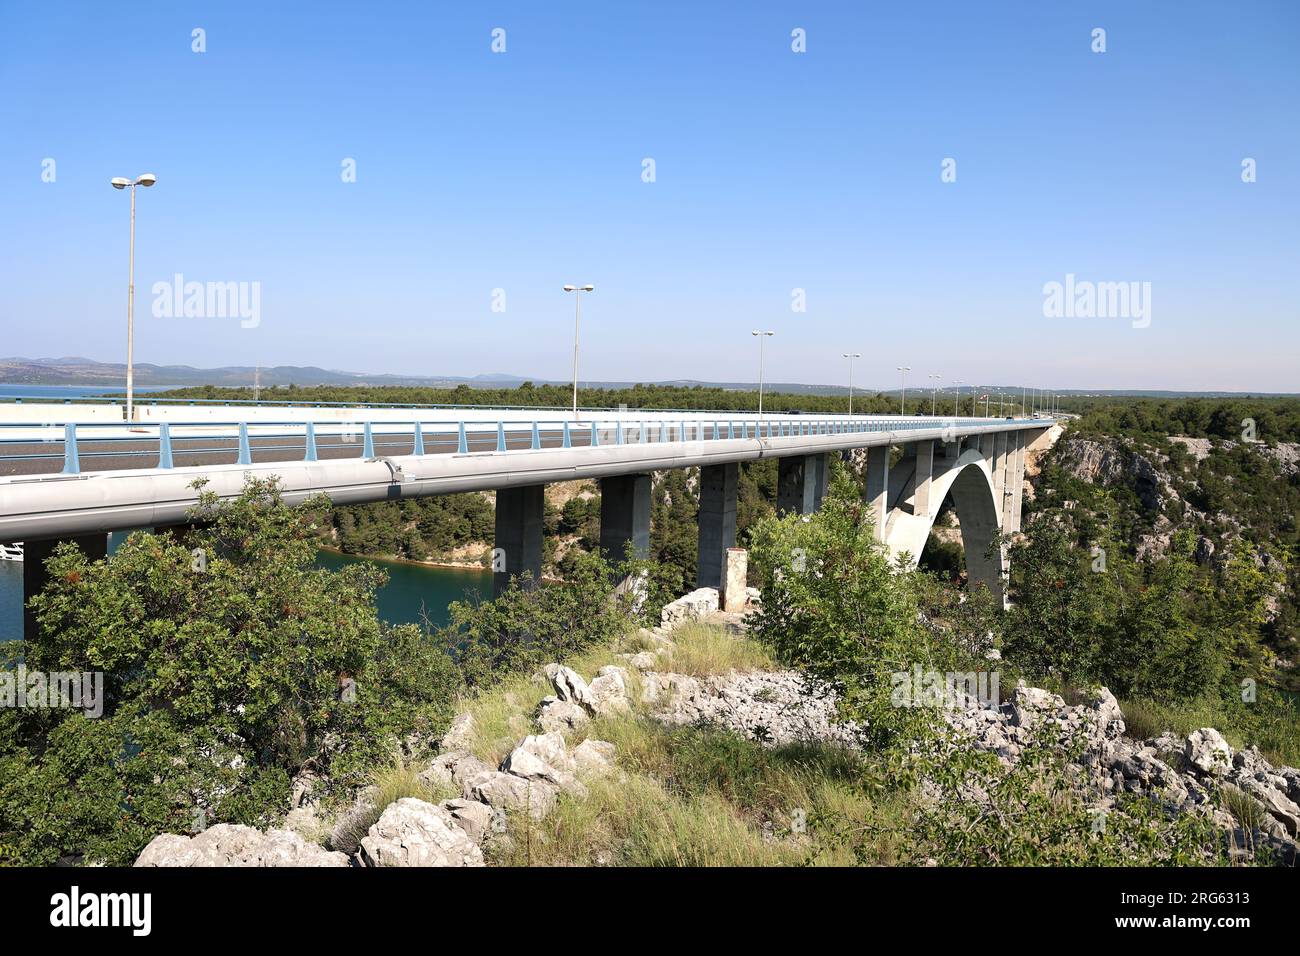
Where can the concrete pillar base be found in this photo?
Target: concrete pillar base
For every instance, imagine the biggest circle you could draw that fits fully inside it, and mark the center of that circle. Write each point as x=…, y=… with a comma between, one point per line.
x=735, y=581
x=878, y=487
x=718, y=484
x=625, y=517
x=519, y=529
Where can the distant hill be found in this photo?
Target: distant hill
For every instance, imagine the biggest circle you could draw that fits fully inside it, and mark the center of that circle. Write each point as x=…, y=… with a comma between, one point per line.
x=76, y=370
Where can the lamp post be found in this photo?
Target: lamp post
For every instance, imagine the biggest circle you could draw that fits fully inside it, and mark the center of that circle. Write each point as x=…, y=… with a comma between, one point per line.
x=761, y=336
x=121, y=182
x=956, y=402
x=1023, y=392
x=934, y=395
x=577, y=315
x=851, y=356
x=902, y=375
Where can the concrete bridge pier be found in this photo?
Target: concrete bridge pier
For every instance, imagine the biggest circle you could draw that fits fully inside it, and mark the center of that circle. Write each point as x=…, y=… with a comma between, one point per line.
x=625, y=516
x=798, y=488
x=519, y=528
x=718, y=488
x=35, y=576
x=878, y=487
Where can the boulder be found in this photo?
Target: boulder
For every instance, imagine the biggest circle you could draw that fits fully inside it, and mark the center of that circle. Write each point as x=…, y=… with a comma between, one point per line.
x=571, y=688
x=228, y=844
x=460, y=735
x=560, y=716
x=1029, y=704
x=1208, y=752
x=411, y=832
x=543, y=758
x=506, y=791
x=453, y=770
x=609, y=691
x=594, y=757
x=475, y=818
x=699, y=604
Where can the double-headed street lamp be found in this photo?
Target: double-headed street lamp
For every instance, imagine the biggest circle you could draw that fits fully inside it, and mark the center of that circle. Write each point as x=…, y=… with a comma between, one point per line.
x=761, y=336
x=934, y=395
x=577, y=315
x=121, y=182
x=902, y=375
x=851, y=356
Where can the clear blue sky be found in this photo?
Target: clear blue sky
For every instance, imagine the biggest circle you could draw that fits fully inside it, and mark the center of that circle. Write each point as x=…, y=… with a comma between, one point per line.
x=775, y=170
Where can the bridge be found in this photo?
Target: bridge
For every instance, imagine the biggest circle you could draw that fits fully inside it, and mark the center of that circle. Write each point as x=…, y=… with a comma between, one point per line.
x=75, y=471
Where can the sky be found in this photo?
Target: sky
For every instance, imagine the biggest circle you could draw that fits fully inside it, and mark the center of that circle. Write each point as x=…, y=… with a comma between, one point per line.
x=899, y=180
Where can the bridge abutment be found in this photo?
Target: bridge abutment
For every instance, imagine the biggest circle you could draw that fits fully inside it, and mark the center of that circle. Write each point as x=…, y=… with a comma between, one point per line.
x=718, y=490
x=519, y=530
x=625, y=516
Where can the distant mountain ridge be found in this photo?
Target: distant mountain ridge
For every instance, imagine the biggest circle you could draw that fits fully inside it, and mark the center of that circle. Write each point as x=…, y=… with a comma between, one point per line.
x=77, y=370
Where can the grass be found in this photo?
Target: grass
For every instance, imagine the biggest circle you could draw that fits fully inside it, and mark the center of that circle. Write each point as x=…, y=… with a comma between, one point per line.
x=393, y=782
x=702, y=650
x=1272, y=723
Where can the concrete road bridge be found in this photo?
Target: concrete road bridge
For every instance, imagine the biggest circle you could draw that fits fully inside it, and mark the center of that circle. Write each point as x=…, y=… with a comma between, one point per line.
x=75, y=470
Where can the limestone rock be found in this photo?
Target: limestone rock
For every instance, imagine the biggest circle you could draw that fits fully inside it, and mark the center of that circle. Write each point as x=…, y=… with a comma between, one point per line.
x=560, y=716
x=594, y=757
x=411, y=832
x=460, y=735
x=609, y=691
x=471, y=816
x=1208, y=752
x=228, y=844
x=571, y=688
x=505, y=791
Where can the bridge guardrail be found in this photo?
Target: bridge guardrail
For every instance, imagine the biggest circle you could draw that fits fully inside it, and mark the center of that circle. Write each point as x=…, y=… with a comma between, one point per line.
x=457, y=436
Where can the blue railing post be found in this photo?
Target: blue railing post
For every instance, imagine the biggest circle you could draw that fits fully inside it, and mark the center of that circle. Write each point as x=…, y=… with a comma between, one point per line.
x=419, y=440
x=618, y=432
x=368, y=444
x=537, y=436
x=595, y=434
x=462, y=443
x=71, y=461
x=731, y=430
x=644, y=436
x=501, y=435
x=245, y=452
x=164, y=446
x=715, y=429
x=663, y=431
x=309, y=443
x=568, y=440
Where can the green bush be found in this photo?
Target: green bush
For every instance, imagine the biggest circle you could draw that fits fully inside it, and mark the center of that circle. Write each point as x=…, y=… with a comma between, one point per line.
x=227, y=661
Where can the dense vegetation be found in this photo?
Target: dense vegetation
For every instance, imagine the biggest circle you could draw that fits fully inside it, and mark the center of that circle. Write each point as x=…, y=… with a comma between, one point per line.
x=232, y=665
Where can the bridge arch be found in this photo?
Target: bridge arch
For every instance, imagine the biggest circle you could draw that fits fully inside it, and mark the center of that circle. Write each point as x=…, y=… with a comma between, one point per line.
x=969, y=482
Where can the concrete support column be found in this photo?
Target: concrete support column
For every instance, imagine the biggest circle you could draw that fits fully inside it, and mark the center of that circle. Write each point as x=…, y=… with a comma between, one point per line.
x=924, y=475
x=878, y=487
x=718, y=484
x=988, y=448
x=519, y=528
x=1010, y=478
x=796, y=485
x=999, y=466
x=35, y=577
x=821, y=478
x=625, y=516
x=1018, y=481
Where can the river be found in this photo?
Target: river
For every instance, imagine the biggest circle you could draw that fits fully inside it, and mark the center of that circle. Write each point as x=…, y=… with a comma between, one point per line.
x=411, y=590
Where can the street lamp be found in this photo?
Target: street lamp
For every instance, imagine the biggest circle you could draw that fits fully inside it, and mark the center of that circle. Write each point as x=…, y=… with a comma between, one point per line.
x=761, y=335
x=121, y=182
x=902, y=375
x=934, y=395
x=577, y=315
x=851, y=356
x=956, y=402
